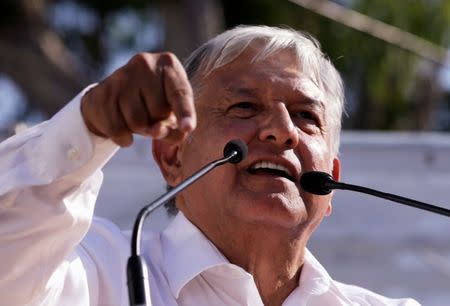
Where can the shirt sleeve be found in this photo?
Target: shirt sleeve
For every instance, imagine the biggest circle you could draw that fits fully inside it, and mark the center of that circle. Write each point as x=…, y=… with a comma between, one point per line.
x=49, y=181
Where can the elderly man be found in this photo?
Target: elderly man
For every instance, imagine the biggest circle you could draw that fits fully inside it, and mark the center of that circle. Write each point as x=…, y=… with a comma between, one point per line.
x=241, y=234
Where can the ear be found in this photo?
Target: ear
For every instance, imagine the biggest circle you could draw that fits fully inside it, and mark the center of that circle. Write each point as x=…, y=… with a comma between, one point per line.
x=167, y=157
x=336, y=173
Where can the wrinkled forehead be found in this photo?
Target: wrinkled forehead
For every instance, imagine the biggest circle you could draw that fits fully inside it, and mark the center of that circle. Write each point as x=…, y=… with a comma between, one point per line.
x=281, y=70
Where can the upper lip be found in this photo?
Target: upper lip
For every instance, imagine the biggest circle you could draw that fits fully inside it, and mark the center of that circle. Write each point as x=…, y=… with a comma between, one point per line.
x=294, y=172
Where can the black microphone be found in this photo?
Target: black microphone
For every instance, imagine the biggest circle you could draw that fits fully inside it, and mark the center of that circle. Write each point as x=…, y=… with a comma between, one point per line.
x=137, y=273
x=322, y=183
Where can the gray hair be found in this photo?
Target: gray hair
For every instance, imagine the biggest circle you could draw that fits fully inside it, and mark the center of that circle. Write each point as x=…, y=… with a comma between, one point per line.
x=226, y=47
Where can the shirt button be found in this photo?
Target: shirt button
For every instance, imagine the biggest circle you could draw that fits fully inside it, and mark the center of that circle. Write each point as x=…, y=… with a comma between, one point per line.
x=73, y=154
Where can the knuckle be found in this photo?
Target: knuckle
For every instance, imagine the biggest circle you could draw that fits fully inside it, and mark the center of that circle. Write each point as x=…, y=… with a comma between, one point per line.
x=119, y=76
x=141, y=57
x=114, y=83
x=167, y=59
x=168, y=56
x=141, y=62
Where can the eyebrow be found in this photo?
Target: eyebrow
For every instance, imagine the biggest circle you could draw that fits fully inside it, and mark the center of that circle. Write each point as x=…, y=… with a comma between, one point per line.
x=242, y=91
x=313, y=102
x=251, y=91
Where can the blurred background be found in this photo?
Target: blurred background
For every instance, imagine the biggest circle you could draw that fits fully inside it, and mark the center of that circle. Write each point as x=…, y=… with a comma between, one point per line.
x=393, y=55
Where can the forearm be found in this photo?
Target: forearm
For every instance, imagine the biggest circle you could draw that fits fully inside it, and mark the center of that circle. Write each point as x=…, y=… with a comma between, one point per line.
x=49, y=180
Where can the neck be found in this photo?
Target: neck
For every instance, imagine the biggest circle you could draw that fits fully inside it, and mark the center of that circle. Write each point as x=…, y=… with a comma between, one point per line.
x=274, y=258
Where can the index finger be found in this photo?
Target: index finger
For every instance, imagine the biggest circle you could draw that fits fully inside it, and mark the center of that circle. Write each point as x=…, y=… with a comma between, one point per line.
x=179, y=95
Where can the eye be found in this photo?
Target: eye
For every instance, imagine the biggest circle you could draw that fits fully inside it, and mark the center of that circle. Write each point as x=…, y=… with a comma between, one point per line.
x=307, y=120
x=244, y=105
x=308, y=115
x=243, y=109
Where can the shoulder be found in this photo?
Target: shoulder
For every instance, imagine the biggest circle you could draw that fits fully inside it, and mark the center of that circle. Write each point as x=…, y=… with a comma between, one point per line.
x=106, y=248
x=365, y=297
x=353, y=295
x=105, y=238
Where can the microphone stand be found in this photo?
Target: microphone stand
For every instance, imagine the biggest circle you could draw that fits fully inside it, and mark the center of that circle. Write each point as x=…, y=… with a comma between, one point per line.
x=137, y=272
x=144, y=212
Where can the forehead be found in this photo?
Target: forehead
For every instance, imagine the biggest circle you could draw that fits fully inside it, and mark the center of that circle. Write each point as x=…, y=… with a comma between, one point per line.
x=278, y=74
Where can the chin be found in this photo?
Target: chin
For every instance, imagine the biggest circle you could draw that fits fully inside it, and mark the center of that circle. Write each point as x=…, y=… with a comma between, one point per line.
x=271, y=209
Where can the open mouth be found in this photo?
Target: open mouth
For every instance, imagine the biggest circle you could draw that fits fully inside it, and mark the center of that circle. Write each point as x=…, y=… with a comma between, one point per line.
x=269, y=168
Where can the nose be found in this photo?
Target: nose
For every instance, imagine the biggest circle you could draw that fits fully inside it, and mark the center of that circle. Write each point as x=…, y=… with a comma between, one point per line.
x=278, y=127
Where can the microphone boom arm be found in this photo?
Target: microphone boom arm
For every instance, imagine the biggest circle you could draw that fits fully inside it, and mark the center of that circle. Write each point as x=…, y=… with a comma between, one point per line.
x=144, y=212
x=331, y=184
x=137, y=272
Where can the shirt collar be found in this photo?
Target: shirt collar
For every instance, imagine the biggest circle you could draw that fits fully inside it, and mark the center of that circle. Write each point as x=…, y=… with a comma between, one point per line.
x=187, y=253
x=315, y=281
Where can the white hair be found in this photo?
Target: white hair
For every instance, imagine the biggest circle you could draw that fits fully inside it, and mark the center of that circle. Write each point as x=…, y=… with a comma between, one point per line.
x=227, y=46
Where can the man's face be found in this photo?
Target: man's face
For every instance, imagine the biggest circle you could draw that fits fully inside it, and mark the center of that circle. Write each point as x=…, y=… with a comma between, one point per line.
x=283, y=118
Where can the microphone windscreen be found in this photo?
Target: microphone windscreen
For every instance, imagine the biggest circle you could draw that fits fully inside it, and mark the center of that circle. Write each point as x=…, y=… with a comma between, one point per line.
x=316, y=182
x=238, y=146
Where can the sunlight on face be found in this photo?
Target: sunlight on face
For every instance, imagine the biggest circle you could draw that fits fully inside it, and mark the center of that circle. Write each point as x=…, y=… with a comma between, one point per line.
x=281, y=115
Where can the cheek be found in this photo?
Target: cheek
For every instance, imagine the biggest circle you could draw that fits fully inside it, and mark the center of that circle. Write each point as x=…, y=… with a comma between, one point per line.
x=315, y=154
x=209, y=138
x=225, y=129
x=238, y=128
x=206, y=197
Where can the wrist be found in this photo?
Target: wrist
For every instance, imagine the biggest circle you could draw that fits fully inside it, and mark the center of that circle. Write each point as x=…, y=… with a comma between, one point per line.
x=84, y=105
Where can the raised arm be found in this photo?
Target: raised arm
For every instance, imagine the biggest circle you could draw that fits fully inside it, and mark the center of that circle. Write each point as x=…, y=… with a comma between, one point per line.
x=50, y=174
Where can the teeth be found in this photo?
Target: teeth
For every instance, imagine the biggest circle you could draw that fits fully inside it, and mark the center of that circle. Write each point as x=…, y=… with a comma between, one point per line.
x=269, y=165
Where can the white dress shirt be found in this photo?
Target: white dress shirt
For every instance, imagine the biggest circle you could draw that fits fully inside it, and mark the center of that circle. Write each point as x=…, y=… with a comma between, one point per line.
x=54, y=252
